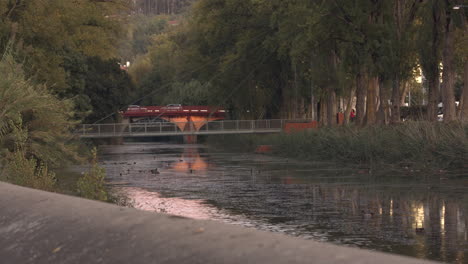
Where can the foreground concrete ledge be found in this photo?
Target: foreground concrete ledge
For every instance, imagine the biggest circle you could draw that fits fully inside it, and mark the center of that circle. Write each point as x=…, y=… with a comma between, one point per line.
x=41, y=227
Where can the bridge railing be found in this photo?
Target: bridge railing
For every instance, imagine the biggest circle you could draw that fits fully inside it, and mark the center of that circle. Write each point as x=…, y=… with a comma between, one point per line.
x=169, y=128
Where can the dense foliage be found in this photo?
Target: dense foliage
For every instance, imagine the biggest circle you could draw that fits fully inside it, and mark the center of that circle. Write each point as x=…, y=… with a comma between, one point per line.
x=31, y=119
x=312, y=59
x=161, y=6
x=62, y=43
x=91, y=185
x=64, y=62
x=34, y=129
x=58, y=67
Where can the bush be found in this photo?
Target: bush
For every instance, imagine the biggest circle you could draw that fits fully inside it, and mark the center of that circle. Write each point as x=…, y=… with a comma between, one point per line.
x=28, y=172
x=33, y=117
x=91, y=184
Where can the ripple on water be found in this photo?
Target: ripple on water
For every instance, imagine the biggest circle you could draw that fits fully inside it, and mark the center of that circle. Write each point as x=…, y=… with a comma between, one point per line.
x=317, y=201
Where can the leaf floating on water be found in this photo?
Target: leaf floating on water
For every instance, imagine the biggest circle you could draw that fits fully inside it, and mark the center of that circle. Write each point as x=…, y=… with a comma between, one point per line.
x=56, y=250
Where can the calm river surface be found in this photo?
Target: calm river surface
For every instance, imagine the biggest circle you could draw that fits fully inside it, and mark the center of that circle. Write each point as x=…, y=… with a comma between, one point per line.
x=419, y=217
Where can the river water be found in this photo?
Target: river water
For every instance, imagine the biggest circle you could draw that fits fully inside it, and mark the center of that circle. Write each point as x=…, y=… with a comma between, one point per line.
x=424, y=217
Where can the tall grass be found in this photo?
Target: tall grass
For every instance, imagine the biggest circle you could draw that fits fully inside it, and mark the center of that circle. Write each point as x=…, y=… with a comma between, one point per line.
x=423, y=143
x=92, y=184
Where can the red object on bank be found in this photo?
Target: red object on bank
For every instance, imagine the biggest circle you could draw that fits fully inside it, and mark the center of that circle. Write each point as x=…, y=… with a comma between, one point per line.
x=264, y=149
x=299, y=127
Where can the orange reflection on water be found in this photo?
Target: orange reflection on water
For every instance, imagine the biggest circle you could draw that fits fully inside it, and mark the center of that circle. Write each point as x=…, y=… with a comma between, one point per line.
x=190, y=162
x=153, y=202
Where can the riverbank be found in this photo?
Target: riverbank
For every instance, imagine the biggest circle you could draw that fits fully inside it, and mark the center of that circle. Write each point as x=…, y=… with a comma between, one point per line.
x=100, y=231
x=90, y=184
x=87, y=182
x=412, y=145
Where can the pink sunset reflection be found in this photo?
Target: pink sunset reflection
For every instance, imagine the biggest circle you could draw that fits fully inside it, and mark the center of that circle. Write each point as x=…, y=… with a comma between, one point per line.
x=153, y=202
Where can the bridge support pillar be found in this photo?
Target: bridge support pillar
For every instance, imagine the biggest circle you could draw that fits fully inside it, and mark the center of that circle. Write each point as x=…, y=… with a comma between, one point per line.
x=190, y=139
x=119, y=130
x=190, y=124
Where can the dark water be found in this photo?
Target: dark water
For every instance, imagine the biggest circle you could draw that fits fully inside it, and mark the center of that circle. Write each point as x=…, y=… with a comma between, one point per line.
x=422, y=216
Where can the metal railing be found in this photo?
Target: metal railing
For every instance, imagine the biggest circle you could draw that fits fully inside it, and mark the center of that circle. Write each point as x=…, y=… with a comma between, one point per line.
x=174, y=129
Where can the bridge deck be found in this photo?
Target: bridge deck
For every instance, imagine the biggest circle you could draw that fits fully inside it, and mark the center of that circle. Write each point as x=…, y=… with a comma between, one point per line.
x=171, y=111
x=160, y=129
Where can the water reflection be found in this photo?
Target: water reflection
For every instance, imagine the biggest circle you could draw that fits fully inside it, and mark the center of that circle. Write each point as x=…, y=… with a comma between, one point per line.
x=425, y=219
x=190, y=161
x=154, y=202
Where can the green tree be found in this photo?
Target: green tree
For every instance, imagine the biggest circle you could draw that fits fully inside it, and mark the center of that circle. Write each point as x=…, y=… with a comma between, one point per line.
x=34, y=129
x=32, y=118
x=429, y=41
x=191, y=93
x=291, y=58
x=161, y=6
x=91, y=184
x=107, y=88
x=54, y=39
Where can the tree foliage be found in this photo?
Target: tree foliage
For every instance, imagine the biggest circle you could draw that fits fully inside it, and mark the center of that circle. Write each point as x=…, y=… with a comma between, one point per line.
x=58, y=68
x=31, y=118
x=55, y=39
x=297, y=58
x=158, y=7
x=91, y=184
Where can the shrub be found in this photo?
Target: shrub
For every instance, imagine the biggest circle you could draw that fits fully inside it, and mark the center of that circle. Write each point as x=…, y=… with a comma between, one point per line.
x=28, y=172
x=91, y=184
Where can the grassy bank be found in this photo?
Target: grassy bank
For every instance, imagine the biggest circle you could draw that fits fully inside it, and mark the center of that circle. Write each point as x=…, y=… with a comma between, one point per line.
x=90, y=184
x=421, y=144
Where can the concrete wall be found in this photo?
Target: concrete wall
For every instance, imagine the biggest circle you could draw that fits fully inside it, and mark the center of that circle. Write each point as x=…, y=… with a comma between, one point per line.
x=40, y=227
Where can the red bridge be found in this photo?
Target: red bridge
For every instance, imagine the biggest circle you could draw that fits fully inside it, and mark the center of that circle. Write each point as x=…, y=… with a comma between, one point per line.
x=187, y=118
x=187, y=121
x=174, y=111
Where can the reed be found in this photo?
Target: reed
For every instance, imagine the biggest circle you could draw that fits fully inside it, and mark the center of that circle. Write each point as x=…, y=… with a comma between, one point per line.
x=423, y=143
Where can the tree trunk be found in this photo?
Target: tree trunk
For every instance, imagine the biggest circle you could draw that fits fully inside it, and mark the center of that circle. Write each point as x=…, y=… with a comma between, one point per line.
x=396, y=100
x=463, y=107
x=382, y=114
x=448, y=75
x=403, y=92
x=313, y=108
x=302, y=108
x=432, y=70
x=361, y=91
x=313, y=98
x=464, y=98
x=331, y=93
x=331, y=106
x=295, y=103
x=349, y=105
x=372, y=100
x=323, y=112
x=433, y=99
